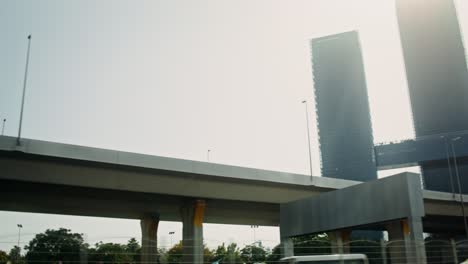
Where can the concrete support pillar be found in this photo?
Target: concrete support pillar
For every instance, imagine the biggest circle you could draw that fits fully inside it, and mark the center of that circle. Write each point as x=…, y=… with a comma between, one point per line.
x=414, y=239
x=149, y=240
x=453, y=245
x=287, y=247
x=339, y=241
x=192, y=234
x=396, y=246
x=407, y=241
x=383, y=251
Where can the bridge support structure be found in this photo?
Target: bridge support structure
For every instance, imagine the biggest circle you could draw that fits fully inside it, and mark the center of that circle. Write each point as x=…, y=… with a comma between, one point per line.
x=287, y=247
x=192, y=231
x=149, y=240
x=339, y=241
x=408, y=241
x=397, y=205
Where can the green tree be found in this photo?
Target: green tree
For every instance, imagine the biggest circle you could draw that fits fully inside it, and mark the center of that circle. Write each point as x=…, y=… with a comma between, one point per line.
x=53, y=246
x=275, y=255
x=3, y=257
x=15, y=255
x=303, y=245
x=133, y=249
x=229, y=254
x=207, y=254
x=109, y=253
x=174, y=255
x=252, y=253
x=162, y=255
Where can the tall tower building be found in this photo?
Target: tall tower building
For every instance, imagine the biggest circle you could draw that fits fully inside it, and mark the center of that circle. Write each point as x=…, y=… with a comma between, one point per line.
x=345, y=132
x=437, y=77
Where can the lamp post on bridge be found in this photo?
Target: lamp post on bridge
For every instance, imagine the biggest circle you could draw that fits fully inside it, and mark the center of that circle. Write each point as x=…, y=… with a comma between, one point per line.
x=18, y=142
x=308, y=136
x=3, y=126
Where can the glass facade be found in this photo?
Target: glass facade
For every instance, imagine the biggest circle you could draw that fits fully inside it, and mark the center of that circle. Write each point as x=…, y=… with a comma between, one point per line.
x=437, y=78
x=344, y=124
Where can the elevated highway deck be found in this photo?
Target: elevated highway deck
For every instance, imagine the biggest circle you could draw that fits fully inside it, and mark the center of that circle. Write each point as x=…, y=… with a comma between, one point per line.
x=60, y=178
x=47, y=177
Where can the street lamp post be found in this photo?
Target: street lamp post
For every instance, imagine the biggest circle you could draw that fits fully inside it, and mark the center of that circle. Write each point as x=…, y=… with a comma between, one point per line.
x=255, y=240
x=459, y=184
x=24, y=91
x=254, y=227
x=208, y=155
x=19, y=238
x=308, y=136
x=171, y=233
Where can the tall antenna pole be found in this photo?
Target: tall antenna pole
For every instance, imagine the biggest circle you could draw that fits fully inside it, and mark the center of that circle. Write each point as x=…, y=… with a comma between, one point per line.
x=308, y=136
x=24, y=91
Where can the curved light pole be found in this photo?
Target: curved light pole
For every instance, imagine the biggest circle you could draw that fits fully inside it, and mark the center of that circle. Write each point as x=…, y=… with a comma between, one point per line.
x=308, y=136
x=459, y=184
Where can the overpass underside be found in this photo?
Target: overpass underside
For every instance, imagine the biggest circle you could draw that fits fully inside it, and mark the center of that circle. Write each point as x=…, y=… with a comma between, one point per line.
x=84, y=201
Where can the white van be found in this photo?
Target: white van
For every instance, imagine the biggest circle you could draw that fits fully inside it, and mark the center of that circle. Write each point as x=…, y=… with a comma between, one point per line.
x=329, y=259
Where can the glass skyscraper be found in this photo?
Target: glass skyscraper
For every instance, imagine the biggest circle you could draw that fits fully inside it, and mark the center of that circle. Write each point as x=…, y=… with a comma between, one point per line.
x=437, y=77
x=345, y=131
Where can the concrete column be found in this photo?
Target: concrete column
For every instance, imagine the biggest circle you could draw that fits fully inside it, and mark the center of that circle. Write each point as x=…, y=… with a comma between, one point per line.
x=339, y=241
x=149, y=240
x=407, y=241
x=415, y=238
x=383, y=251
x=287, y=247
x=192, y=233
x=454, y=250
x=396, y=246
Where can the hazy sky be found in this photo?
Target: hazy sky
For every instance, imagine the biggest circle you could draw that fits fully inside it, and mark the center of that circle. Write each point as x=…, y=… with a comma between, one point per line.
x=177, y=77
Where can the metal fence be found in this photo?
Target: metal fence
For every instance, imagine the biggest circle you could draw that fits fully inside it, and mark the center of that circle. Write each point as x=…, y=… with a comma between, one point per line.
x=377, y=252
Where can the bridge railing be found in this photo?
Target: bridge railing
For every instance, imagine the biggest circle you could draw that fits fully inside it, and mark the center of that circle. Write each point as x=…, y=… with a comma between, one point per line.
x=420, y=138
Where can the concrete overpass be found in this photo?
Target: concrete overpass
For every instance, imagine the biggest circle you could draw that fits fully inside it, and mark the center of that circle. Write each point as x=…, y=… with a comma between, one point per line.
x=60, y=178
x=47, y=177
